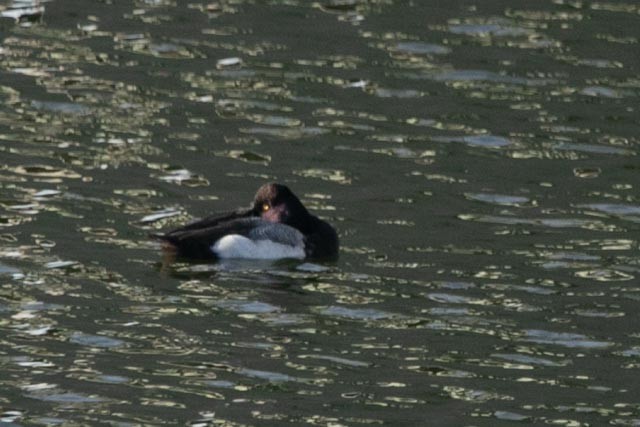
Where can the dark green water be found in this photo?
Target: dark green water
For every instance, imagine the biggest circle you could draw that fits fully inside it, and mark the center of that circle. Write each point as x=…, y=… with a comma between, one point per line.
x=479, y=159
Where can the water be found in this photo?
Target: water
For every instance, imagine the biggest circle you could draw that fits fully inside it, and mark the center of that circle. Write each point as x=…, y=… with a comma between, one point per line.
x=480, y=162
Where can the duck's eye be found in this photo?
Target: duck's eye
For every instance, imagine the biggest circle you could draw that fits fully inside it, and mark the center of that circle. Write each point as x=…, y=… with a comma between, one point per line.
x=265, y=207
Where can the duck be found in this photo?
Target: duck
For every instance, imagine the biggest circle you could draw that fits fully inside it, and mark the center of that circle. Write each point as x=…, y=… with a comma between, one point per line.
x=275, y=226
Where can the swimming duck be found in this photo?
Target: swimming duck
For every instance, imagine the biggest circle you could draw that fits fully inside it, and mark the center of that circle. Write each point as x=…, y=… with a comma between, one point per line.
x=276, y=225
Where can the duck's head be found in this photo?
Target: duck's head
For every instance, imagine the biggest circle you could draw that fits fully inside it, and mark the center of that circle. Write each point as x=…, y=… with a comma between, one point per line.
x=276, y=203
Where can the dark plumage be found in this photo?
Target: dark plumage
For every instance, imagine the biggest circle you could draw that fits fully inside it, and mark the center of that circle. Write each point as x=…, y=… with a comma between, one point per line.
x=276, y=225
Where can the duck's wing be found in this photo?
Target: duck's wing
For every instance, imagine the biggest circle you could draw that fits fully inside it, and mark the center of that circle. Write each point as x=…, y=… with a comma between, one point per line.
x=275, y=232
x=198, y=242
x=264, y=240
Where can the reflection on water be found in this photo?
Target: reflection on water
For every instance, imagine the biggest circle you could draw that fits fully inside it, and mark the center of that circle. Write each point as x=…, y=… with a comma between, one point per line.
x=479, y=161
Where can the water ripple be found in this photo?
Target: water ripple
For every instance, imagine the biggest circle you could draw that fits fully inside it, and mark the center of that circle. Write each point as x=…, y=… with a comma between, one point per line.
x=564, y=339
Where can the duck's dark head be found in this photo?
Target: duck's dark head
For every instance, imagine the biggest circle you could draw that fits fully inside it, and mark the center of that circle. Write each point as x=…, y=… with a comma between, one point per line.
x=276, y=203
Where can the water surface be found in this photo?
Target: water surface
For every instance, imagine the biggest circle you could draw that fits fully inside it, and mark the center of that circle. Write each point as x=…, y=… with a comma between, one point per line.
x=480, y=162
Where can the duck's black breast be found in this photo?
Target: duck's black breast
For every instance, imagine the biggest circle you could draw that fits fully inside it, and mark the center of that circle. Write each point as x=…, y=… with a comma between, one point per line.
x=321, y=240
